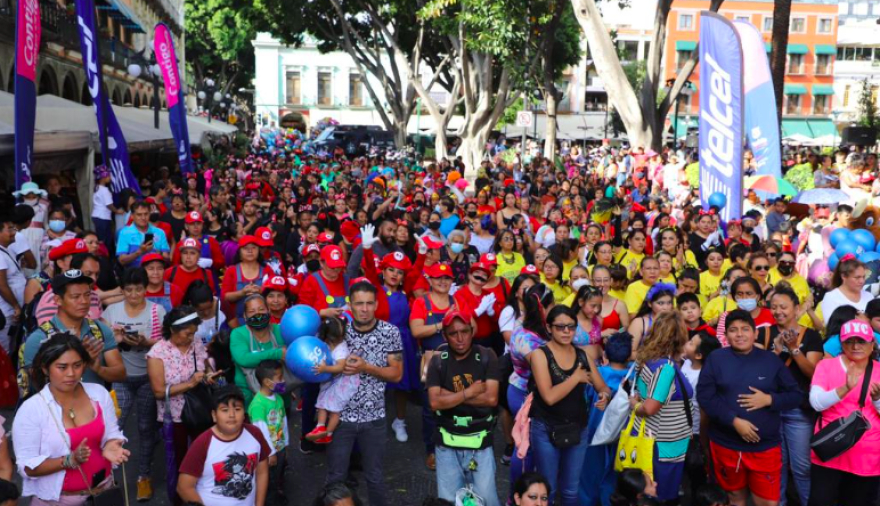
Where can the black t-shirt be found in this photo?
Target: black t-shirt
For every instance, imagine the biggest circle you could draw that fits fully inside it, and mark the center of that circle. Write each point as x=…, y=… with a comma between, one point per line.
x=480, y=364
x=573, y=407
x=810, y=342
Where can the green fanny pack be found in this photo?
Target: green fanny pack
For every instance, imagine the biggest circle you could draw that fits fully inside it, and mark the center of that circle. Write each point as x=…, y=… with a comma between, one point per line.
x=464, y=441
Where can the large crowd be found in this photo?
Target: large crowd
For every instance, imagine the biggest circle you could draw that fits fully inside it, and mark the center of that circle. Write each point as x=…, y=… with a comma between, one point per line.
x=618, y=340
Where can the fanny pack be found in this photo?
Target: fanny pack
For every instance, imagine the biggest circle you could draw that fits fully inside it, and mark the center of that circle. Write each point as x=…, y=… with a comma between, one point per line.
x=463, y=441
x=841, y=434
x=565, y=435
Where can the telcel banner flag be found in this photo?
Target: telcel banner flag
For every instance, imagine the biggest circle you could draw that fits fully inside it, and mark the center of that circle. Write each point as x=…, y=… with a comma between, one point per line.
x=164, y=49
x=761, y=125
x=27, y=50
x=721, y=113
x=113, y=147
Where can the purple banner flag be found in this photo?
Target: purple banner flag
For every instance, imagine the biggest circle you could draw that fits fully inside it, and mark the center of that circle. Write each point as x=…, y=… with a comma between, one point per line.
x=113, y=147
x=721, y=113
x=27, y=50
x=164, y=49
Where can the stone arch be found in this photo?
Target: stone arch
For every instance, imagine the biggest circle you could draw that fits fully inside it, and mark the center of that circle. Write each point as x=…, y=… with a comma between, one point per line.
x=69, y=90
x=85, y=94
x=48, y=82
x=126, y=99
x=144, y=100
x=117, y=97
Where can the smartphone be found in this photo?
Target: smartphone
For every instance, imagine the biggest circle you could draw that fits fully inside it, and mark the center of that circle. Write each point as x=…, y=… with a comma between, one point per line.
x=148, y=237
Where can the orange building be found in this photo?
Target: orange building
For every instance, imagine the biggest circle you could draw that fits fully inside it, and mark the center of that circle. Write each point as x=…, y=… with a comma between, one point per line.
x=812, y=48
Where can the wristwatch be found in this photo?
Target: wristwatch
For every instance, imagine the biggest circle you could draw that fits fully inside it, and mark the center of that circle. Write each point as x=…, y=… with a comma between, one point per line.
x=795, y=351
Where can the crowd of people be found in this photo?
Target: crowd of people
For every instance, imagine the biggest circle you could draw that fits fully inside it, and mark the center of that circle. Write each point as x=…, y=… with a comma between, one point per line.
x=620, y=342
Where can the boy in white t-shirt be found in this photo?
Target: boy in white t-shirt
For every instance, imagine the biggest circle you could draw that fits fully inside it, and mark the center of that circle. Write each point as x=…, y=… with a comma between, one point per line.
x=227, y=465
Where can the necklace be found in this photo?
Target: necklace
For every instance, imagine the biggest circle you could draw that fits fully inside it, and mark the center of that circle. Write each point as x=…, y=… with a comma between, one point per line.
x=509, y=260
x=71, y=413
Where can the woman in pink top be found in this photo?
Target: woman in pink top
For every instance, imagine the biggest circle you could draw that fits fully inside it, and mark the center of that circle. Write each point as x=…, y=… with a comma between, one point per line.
x=851, y=478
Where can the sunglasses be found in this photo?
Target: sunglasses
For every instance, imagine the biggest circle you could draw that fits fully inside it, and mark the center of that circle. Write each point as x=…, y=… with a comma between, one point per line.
x=564, y=328
x=771, y=254
x=786, y=264
x=761, y=267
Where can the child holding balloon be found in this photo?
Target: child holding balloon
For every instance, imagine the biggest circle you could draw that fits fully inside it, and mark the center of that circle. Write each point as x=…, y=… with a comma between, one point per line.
x=335, y=392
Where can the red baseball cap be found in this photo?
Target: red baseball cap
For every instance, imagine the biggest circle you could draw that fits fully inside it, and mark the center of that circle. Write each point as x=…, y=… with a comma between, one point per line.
x=247, y=239
x=489, y=259
x=68, y=247
x=456, y=314
x=349, y=230
x=152, y=257
x=432, y=243
x=189, y=242
x=530, y=269
x=312, y=248
x=396, y=260
x=480, y=266
x=439, y=271
x=264, y=237
x=276, y=283
x=193, y=217
x=332, y=256
x=325, y=238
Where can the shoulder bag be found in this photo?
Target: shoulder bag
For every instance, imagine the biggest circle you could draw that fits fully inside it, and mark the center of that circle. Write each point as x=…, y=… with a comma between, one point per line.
x=616, y=413
x=197, y=404
x=843, y=433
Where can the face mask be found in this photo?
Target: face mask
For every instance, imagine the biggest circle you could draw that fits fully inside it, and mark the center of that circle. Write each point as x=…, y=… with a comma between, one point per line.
x=748, y=230
x=437, y=208
x=313, y=265
x=747, y=304
x=456, y=247
x=472, y=214
x=31, y=201
x=434, y=225
x=258, y=321
x=579, y=283
x=279, y=388
x=155, y=216
x=56, y=226
x=785, y=270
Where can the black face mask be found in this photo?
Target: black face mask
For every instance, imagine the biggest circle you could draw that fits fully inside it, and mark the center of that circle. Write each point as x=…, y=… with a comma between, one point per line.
x=155, y=216
x=434, y=225
x=472, y=214
x=748, y=230
x=313, y=265
x=784, y=269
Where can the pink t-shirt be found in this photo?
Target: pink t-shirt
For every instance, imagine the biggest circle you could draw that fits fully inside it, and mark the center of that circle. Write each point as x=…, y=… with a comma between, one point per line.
x=864, y=458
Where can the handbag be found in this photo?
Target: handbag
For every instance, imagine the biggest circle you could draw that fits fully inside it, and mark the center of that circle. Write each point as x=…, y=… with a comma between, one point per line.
x=565, y=435
x=615, y=415
x=197, y=405
x=694, y=456
x=844, y=432
x=250, y=374
x=635, y=452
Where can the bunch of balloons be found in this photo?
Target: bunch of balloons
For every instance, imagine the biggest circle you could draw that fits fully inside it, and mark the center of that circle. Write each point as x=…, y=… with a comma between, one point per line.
x=859, y=243
x=299, y=325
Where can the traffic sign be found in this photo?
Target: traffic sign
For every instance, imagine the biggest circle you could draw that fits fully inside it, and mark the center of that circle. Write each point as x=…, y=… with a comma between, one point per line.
x=524, y=119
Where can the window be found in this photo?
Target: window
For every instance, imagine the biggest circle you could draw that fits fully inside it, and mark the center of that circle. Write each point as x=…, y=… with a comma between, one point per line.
x=325, y=93
x=745, y=19
x=294, y=83
x=629, y=50
x=686, y=22
x=795, y=64
x=863, y=53
x=846, y=96
x=798, y=25
x=821, y=104
x=768, y=24
x=824, y=26
x=823, y=64
x=841, y=53
x=355, y=90
x=681, y=58
x=792, y=104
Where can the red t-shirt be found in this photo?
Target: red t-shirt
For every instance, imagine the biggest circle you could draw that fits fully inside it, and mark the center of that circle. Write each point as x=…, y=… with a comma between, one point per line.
x=468, y=303
x=311, y=294
x=182, y=278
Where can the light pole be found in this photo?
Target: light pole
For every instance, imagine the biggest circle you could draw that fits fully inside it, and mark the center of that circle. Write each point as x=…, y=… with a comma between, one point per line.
x=686, y=90
x=834, y=115
x=209, y=96
x=151, y=68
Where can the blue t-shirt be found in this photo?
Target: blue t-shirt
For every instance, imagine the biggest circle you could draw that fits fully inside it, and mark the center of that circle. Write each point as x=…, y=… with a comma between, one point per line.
x=447, y=225
x=832, y=345
x=130, y=239
x=35, y=340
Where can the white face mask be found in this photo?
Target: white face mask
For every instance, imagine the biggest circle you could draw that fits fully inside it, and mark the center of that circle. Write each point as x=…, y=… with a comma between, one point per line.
x=579, y=283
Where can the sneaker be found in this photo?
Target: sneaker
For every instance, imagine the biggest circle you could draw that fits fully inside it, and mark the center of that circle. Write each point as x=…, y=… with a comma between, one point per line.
x=508, y=455
x=325, y=440
x=306, y=447
x=431, y=462
x=399, y=428
x=317, y=433
x=145, y=489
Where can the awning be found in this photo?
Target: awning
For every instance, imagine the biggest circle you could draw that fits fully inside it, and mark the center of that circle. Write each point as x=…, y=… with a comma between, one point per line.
x=798, y=49
x=823, y=89
x=795, y=89
x=768, y=46
x=821, y=127
x=682, y=127
x=685, y=45
x=825, y=49
x=811, y=128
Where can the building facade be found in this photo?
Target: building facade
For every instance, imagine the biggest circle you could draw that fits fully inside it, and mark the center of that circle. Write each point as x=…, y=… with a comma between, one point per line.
x=857, y=64
x=810, y=64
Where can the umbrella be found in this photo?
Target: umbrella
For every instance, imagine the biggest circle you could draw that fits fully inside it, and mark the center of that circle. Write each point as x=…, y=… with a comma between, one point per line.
x=823, y=196
x=770, y=184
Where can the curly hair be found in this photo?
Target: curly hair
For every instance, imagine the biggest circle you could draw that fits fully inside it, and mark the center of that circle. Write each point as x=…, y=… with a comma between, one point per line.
x=668, y=335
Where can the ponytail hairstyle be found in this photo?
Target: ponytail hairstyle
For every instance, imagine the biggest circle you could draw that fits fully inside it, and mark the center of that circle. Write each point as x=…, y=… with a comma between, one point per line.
x=332, y=330
x=537, y=301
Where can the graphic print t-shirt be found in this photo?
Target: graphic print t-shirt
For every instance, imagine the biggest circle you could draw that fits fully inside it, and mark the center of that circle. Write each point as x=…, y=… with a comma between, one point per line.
x=226, y=470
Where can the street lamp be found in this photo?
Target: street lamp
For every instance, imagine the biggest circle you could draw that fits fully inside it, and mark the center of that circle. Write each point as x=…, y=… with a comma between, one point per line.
x=834, y=115
x=687, y=90
x=151, y=68
x=209, y=96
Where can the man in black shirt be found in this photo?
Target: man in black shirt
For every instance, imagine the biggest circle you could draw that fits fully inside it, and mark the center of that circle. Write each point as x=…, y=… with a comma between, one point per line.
x=462, y=383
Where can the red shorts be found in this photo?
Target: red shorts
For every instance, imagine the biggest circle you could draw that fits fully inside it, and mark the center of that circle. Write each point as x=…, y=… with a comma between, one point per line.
x=760, y=472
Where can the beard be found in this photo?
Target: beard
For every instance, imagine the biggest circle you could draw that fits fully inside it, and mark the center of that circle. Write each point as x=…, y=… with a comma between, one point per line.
x=388, y=241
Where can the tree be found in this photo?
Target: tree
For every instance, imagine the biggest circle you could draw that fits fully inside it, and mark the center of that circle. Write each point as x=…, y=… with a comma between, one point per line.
x=643, y=115
x=781, y=20
x=868, y=113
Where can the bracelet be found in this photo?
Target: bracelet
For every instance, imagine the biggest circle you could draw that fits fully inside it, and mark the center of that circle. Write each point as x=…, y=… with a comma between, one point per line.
x=67, y=462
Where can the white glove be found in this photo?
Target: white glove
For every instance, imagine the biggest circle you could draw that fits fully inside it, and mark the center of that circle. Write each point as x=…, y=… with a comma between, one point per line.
x=423, y=248
x=454, y=288
x=713, y=240
x=368, y=236
x=205, y=263
x=485, y=306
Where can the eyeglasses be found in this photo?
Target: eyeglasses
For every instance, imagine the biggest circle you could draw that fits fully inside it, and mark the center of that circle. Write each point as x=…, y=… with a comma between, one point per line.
x=564, y=328
x=771, y=254
x=786, y=264
x=761, y=267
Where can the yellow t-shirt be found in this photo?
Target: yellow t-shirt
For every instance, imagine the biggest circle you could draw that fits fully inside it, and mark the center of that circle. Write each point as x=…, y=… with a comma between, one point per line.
x=689, y=261
x=566, y=268
x=631, y=261
x=509, y=270
x=801, y=289
x=617, y=294
x=569, y=301
x=635, y=295
x=709, y=282
x=670, y=280
x=561, y=291
x=713, y=309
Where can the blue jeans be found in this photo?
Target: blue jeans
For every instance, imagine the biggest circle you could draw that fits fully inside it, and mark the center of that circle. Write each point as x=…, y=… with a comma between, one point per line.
x=453, y=473
x=561, y=467
x=371, y=438
x=518, y=466
x=797, y=429
x=598, y=477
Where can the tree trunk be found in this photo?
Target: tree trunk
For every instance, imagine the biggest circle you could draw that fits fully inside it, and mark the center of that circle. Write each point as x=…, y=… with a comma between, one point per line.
x=400, y=135
x=550, y=141
x=441, y=141
x=781, y=19
x=471, y=152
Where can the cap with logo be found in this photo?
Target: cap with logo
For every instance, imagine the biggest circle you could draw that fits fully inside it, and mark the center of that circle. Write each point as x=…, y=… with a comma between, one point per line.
x=439, y=271
x=274, y=283
x=489, y=259
x=70, y=277
x=396, y=260
x=194, y=217
x=530, y=270
x=332, y=257
x=68, y=247
x=856, y=329
x=264, y=237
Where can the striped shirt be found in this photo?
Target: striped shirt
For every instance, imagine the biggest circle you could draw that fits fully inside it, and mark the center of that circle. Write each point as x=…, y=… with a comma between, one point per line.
x=669, y=426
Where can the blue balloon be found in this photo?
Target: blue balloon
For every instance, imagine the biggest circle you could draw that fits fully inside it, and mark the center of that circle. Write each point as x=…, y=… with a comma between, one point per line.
x=718, y=200
x=848, y=247
x=304, y=354
x=864, y=239
x=877, y=249
x=833, y=260
x=298, y=321
x=838, y=236
x=869, y=256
